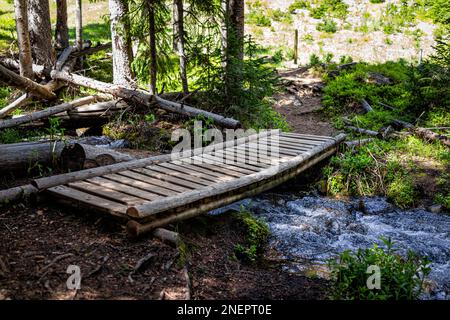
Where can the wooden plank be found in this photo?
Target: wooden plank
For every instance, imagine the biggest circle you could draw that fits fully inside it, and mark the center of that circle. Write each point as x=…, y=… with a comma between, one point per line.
x=255, y=148
x=106, y=193
x=306, y=136
x=165, y=177
x=300, y=141
x=184, y=169
x=217, y=168
x=241, y=167
x=112, y=207
x=124, y=188
x=212, y=174
x=268, y=157
x=288, y=146
x=245, y=157
x=146, y=183
x=182, y=174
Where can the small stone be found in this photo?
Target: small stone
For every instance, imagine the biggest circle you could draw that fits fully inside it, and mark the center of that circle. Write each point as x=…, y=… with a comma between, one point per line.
x=435, y=208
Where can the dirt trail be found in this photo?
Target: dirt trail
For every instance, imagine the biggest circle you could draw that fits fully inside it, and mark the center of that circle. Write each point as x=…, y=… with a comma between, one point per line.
x=300, y=103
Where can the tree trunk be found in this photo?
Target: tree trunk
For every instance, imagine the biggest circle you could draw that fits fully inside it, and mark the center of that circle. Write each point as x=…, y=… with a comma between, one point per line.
x=233, y=40
x=121, y=49
x=61, y=31
x=78, y=25
x=237, y=19
x=41, y=32
x=152, y=35
x=423, y=133
x=24, y=157
x=79, y=156
x=179, y=41
x=17, y=193
x=23, y=37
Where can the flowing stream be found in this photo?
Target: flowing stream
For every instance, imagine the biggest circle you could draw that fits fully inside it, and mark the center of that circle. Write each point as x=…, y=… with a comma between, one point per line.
x=309, y=230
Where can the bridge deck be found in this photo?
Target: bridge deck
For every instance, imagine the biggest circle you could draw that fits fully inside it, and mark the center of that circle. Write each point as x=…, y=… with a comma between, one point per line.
x=158, y=194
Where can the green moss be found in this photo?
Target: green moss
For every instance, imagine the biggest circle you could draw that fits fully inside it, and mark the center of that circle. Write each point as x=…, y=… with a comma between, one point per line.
x=256, y=235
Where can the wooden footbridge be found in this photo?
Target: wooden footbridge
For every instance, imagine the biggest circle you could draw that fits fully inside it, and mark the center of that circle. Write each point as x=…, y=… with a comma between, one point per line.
x=153, y=192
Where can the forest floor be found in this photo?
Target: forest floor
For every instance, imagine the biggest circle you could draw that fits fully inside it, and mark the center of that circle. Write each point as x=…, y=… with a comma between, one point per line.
x=38, y=242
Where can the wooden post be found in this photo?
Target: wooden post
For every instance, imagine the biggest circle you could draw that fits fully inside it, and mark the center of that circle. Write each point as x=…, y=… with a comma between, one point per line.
x=296, y=47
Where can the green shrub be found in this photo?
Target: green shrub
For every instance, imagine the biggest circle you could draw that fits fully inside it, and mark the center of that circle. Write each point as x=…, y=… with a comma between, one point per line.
x=314, y=60
x=327, y=25
x=377, y=1
x=280, y=16
x=299, y=4
x=332, y=8
x=401, y=277
x=308, y=38
x=402, y=191
x=258, y=18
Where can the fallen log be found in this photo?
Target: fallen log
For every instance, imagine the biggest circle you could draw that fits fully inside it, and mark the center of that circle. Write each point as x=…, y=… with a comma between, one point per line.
x=48, y=112
x=357, y=143
x=25, y=156
x=77, y=156
x=38, y=70
x=423, y=133
x=91, y=50
x=17, y=193
x=142, y=97
x=167, y=236
x=25, y=84
x=363, y=131
x=63, y=57
x=19, y=102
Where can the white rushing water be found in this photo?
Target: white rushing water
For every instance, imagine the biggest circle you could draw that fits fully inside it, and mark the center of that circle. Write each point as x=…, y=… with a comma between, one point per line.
x=318, y=228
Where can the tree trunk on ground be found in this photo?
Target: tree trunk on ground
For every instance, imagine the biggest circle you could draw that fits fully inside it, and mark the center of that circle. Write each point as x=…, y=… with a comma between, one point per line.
x=78, y=25
x=47, y=112
x=121, y=49
x=61, y=31
x=79, y=156
x=41, y=32
x=152, y=36
x=423, y=133
x=16, y=193
x=23, y=37
x=23, y=157
x=179, y=41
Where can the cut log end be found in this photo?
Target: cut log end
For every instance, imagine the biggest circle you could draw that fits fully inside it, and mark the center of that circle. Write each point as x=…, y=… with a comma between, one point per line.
x=133, y=212
x=134, y=228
